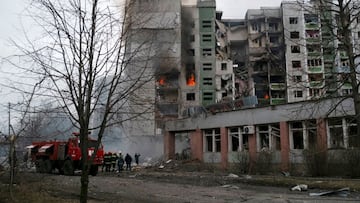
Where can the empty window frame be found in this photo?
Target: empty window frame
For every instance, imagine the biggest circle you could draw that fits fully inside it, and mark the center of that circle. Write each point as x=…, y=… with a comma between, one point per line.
x=295, y=49
x=352, y=132
x=296, y=64
x=256, y=27
x=207, y=81
x=297, y=78
x=314, y=62
x=191, y=52
x=311, y=134
x=237, y=140
x=207, y=66
x=293, y=20
x=297, y=135
x=212, y=140
x=268, y=137
x=190, y=96
x=274, y=39
x=223, y=66
x=298, y=94
x=206, y=52
x=336, y=134
x=294, y=35
x=273, y=27
x=314, y=92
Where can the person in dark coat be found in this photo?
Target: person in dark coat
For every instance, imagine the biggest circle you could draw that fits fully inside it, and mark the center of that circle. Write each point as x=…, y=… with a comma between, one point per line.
x=128, y=160
x=137, y=155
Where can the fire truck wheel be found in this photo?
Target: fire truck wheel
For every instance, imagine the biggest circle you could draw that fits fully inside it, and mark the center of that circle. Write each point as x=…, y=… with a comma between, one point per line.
x=68, y=167
x=47, y=166
x=39, y=166
x=94, y=170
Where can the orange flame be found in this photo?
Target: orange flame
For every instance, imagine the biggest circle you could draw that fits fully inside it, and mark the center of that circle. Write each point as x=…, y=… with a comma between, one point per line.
x=191, y=80
x=161, y=81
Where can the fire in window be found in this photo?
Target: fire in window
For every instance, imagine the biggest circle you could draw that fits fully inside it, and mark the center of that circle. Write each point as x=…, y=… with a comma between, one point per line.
x=190, y=81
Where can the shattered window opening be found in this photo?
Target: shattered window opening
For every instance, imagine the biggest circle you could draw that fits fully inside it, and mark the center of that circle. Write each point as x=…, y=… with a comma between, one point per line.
x=223, y=66
x=190, y=96
x=298, y=94
x=293, y=20
x=295, y=49
x=296, y=131
x=296, y=64
x=212, y=140
x=238, y=141
x=336, y=133
x=294, y=35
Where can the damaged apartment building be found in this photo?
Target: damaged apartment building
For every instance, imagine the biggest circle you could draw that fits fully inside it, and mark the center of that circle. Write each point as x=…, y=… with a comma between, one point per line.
x=229, y=88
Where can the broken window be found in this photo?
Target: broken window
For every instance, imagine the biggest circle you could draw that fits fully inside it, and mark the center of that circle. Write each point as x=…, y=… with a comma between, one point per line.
x=295, y=49
x=207, y=66
x=294, y=35
x=314, y=92
x=314, y=62
x=274, y=39
x=190, y=96
x=238, y=141
x=273, y=27
x=212, y=140
x=191, y=52
x=352, y=132
x=297, y=78
x=223, y=66
x=256, y=27
x=296, y=64
x=297, y=135
x=311, y=130
x=293, y=20
x=298, y=94
x=263, y=134
x=336, y=133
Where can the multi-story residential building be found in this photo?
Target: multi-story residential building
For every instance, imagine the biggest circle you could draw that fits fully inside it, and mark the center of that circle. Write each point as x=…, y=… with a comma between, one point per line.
x=285, y=57
x=245, y=86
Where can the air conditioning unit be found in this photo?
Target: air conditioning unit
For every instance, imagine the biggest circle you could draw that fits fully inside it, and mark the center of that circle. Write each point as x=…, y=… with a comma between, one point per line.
x=249, y=129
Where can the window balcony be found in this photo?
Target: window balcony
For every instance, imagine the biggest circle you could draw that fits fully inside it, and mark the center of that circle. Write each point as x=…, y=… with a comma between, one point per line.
x=312, y=26
x=316, y=84
x=315, y=69
x=314, y=54
x=276, y=101
x=277, y=86
x=313, y=40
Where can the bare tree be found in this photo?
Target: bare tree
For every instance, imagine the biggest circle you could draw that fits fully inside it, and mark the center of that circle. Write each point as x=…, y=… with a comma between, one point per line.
x=89, y=65
x=338, y=21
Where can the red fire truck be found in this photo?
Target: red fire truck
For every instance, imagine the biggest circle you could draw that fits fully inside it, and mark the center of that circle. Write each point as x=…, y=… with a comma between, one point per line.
x=64, y=155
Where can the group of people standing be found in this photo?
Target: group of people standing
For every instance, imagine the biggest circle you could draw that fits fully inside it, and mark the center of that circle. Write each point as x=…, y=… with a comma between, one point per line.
x=111, y=159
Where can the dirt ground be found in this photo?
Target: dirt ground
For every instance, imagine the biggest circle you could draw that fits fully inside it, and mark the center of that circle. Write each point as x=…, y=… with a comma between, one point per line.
x=162, y=186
